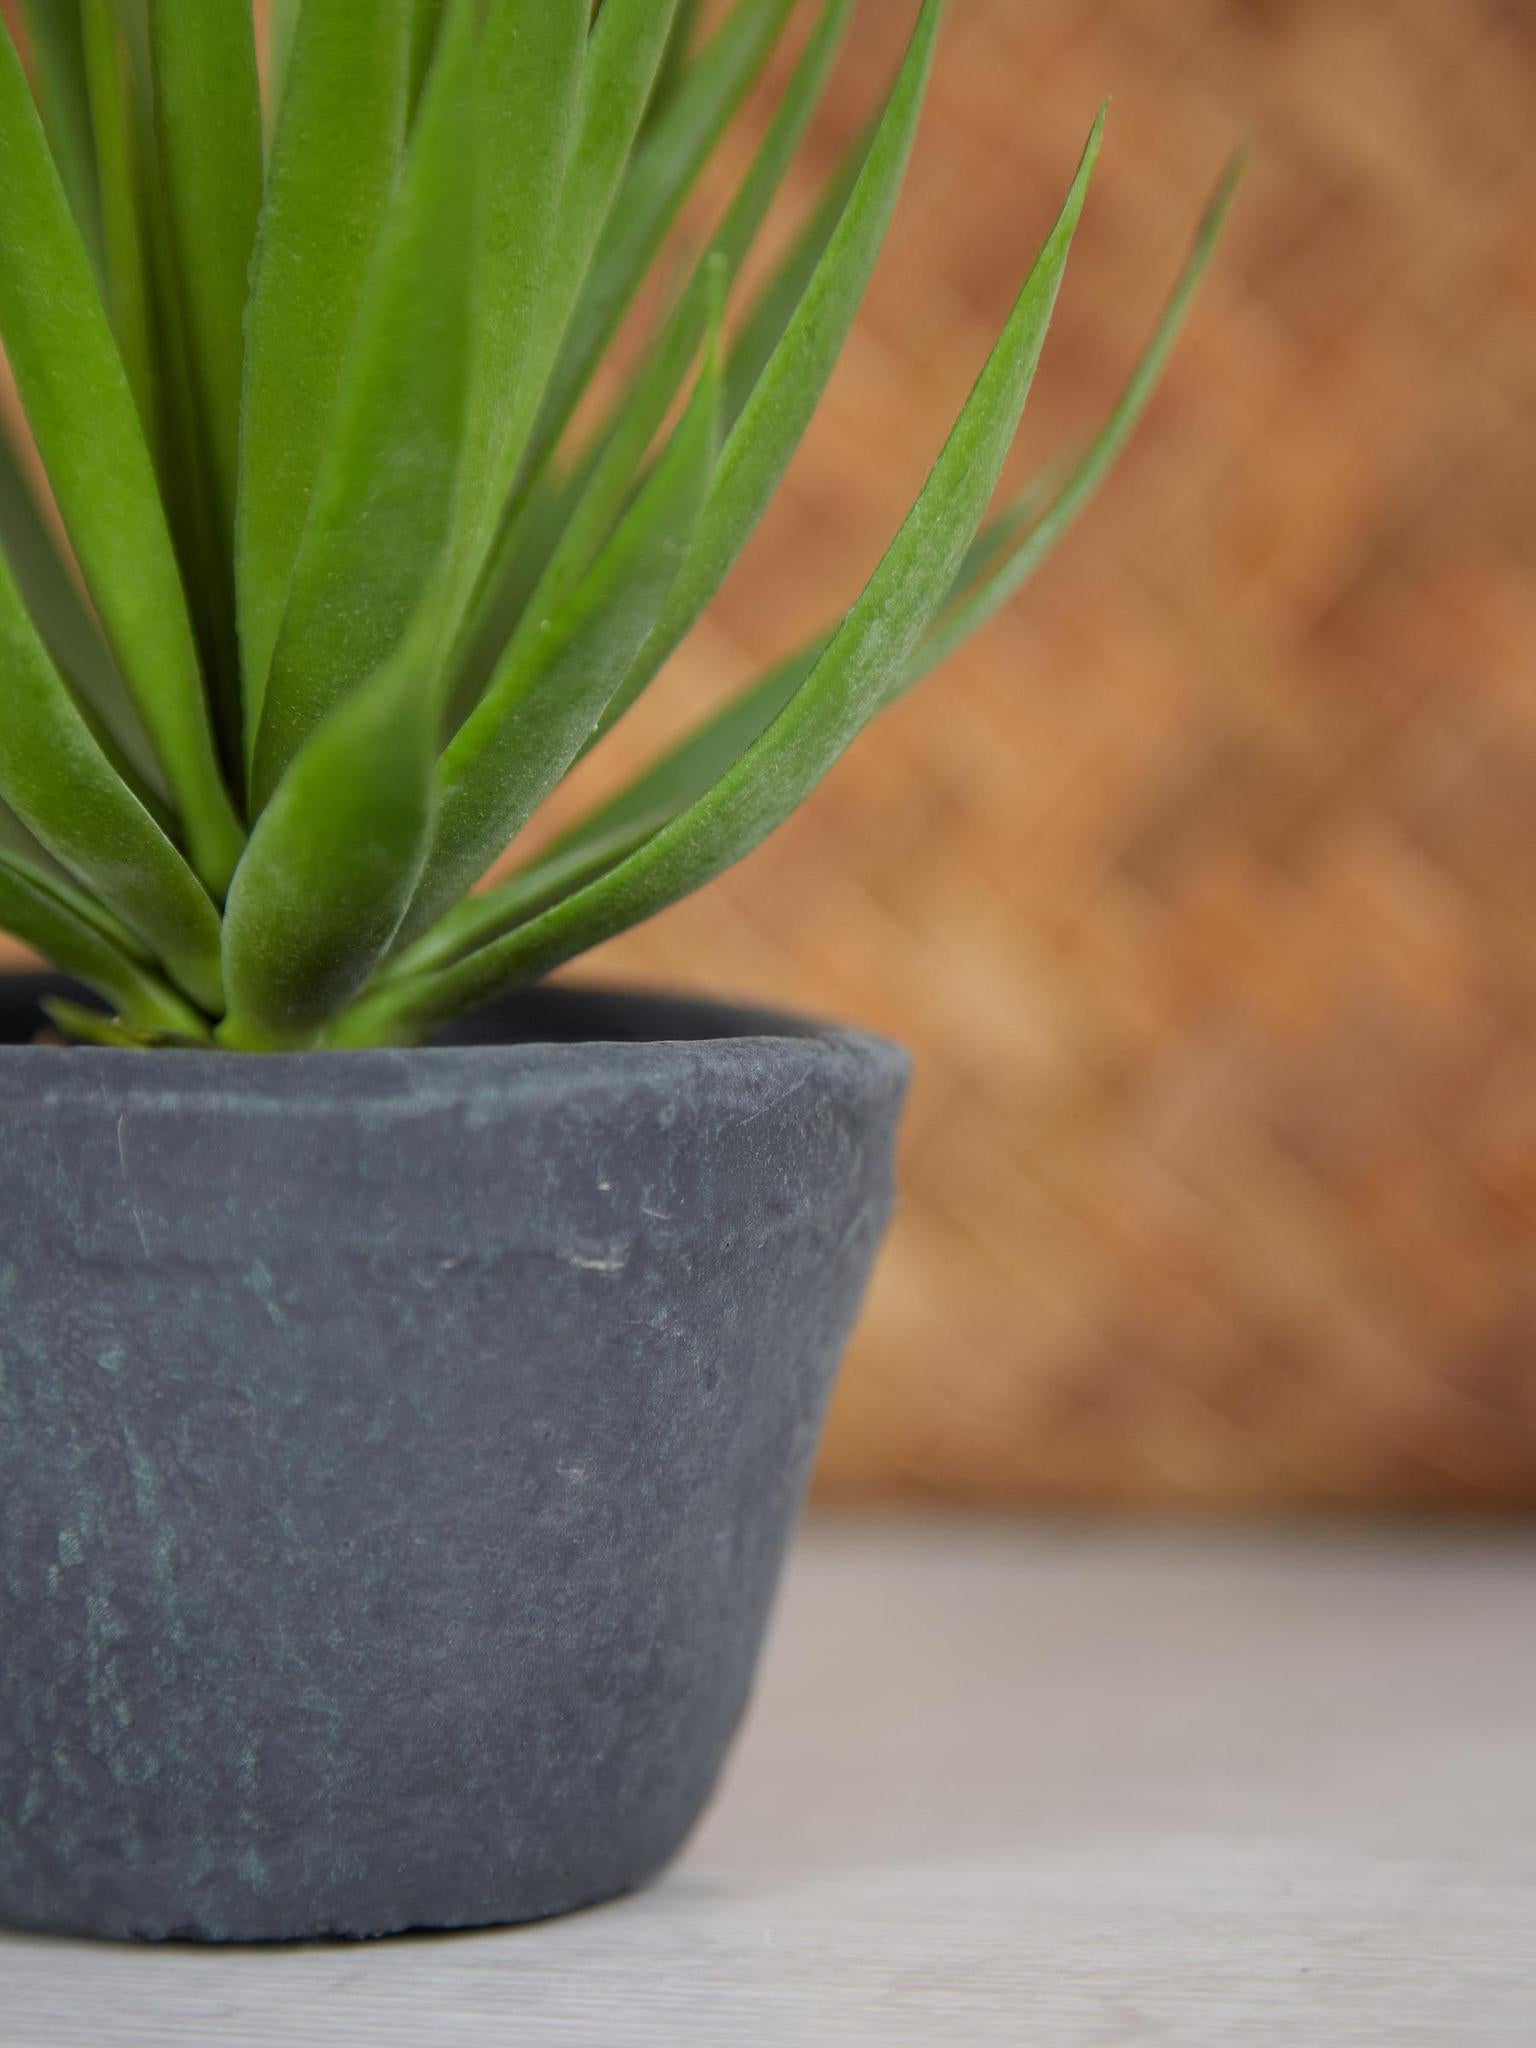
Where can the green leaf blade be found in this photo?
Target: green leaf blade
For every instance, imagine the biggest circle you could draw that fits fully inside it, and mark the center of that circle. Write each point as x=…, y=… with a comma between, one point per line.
x=84, y=1026
x=56, y=779
x=63, y=619
x=675, y=60
x=687, y=771
x=58, y=52
x=782, y=292
x=339, y=132
x=775, y=416
x=1027, y=535
x=539, y=886
x=31, y=854
x=84, y=418
x=623, y=55
x=560, y=672
x=333, y=860
x=385, y=496
x=46, y=917
x=208, y=125
x=579, y=515
x=1006, y=553
x=665, y=169
x=846, y=687
x=530, y=79
x=282, y=31
x=125, y=263
x=426, y=25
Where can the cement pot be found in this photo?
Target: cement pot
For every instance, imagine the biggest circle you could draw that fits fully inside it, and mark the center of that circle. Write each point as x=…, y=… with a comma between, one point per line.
x=398, y=1450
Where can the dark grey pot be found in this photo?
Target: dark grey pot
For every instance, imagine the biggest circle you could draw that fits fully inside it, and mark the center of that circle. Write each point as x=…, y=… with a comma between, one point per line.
x=398, y=1450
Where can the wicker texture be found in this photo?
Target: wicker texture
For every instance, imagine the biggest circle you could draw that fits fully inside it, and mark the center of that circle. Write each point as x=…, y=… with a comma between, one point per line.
x=1200, y=884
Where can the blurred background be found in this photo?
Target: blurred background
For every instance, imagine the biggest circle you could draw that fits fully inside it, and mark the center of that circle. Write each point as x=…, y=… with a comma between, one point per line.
x=1201, y=884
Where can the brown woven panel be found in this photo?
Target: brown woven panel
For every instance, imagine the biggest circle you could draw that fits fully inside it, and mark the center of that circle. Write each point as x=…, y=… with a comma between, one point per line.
x=1201, y=885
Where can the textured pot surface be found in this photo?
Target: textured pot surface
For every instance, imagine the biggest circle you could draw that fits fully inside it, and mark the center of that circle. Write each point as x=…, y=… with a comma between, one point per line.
x=397, y=1453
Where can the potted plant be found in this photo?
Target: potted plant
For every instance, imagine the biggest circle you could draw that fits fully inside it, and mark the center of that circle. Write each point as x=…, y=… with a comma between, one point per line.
x=400, y=1429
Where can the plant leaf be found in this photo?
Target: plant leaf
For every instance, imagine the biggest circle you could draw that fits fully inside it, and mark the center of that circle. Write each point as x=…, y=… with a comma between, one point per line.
x=188, y=488
x=579, y=515
x=58, y=54
x=665, y=169
x=675, y=60
x=530, y=77
x=426, y=24
x=563, y=667
x=91, y=1027
x=774, y=419
x=30, y=854
x=334, y=857
x=125, y=268
x=602, y=500
x=779, y=297
x=282, y=32
x=62, y=787
x=385, y=494
x=1006, y=553
x=543, y=883
x=335, y=150
x=83, y=416
x=37, y=910
x=1000, y=535
x=1024, y=537
x=846, y=687
x=732, y=242
x=205, y=190
x=686, y=772
x=63, y=619
x=208, y=125
x=623, y=54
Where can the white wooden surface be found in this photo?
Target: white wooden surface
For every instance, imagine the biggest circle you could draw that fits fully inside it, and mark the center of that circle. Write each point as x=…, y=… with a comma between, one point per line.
x=1012, y=1785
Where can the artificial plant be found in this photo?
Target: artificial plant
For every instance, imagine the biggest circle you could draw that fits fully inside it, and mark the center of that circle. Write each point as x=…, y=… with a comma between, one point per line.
x=335, y=578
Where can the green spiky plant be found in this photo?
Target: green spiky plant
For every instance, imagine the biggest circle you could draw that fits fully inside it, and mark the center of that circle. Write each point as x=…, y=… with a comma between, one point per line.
x=349, y=587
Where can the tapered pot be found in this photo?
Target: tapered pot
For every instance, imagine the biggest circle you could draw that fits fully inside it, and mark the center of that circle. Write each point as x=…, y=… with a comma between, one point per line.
x=398, y=1450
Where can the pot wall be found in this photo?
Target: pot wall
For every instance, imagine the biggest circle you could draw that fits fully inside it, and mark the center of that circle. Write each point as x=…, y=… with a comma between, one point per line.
x=397, y=1453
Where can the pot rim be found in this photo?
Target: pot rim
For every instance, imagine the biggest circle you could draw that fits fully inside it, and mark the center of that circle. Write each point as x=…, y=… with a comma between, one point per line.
x=561, y=1033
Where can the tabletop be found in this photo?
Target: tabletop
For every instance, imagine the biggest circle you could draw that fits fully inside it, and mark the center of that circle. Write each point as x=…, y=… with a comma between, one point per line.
x=1087, y=1788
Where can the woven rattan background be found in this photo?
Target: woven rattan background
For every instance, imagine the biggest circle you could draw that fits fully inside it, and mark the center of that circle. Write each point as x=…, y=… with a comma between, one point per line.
x=1202, y=884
